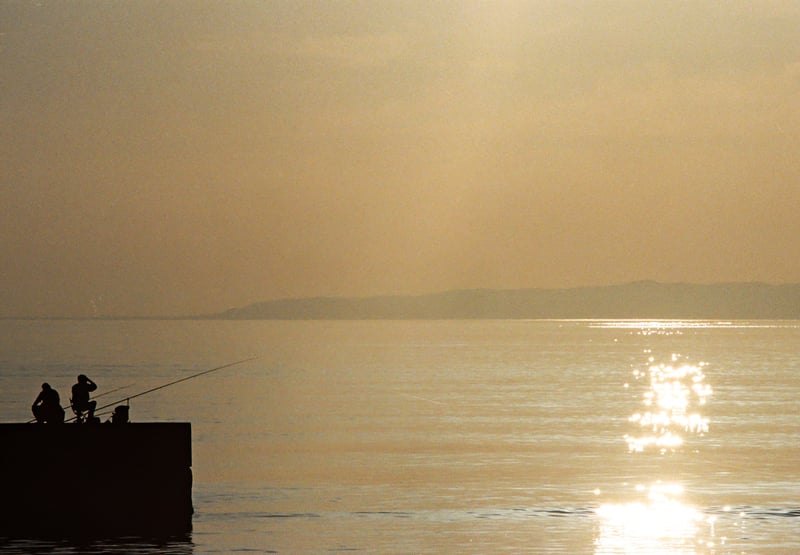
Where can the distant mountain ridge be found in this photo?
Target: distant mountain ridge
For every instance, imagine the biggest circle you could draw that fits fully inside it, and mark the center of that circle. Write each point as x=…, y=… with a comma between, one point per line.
x=641, y=299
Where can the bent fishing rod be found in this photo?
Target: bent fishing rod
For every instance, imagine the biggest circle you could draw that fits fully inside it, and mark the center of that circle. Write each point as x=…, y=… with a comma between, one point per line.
x=204, y=372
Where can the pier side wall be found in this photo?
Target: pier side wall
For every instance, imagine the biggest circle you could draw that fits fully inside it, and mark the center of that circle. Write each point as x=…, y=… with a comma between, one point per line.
x=95, y=479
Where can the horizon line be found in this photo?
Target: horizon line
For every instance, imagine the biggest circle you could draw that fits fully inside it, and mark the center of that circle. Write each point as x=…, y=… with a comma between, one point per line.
x=220, y=314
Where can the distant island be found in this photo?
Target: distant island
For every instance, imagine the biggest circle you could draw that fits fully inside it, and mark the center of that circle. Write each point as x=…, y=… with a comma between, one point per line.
x=641, y=299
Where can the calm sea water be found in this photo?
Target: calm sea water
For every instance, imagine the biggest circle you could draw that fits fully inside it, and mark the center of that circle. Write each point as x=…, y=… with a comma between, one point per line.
x=597, y=437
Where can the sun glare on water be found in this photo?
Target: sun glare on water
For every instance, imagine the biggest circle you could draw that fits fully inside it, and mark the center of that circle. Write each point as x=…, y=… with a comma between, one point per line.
x=658, y=521
x=660, y=524
x=671, y=406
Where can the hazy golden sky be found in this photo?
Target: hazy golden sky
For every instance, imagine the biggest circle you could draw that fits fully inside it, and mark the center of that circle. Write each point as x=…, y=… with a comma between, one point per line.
x=171, y=157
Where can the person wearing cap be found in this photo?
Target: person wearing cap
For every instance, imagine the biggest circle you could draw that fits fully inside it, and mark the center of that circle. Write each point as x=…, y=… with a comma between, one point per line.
x=47, y=406
x=80, y=398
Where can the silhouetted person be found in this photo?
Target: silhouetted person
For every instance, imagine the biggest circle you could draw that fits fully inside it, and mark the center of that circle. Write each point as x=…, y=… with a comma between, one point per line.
x=80, y=399
x=120, y=415
x=47, y=406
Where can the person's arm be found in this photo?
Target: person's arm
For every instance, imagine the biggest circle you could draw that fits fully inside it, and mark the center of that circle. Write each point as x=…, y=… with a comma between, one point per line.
x=91, y=384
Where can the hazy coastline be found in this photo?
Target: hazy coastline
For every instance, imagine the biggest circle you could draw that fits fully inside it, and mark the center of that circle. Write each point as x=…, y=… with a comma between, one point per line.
x=642, y=299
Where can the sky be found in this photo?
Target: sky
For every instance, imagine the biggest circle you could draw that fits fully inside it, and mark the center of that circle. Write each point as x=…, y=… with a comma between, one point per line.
x=175, y=158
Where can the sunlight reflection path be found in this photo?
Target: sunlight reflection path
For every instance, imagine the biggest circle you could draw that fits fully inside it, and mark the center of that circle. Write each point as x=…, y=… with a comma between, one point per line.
x=672, y=402
x=658, y=521
x=661, y=524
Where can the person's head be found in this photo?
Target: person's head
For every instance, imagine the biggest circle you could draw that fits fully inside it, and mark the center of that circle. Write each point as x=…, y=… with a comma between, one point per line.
x=45, y=386
x=82, y=378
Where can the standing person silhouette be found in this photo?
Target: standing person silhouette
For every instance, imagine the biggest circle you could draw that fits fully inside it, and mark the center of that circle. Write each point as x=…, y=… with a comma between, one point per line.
x=47, y=406
x=80, y=399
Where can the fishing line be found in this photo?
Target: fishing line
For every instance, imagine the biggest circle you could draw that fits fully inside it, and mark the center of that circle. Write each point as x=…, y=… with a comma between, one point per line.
x=204, y=372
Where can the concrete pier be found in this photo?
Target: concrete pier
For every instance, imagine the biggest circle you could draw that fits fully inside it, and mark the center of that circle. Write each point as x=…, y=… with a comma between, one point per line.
x=95, y=479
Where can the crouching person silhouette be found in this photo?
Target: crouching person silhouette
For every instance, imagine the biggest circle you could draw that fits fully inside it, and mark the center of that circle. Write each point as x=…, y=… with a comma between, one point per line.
x=47, y=406
x=81, y=405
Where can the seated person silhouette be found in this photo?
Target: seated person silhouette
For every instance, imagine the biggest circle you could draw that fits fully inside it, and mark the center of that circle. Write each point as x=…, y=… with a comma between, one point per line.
x=120, y=415
x=47, y=406
x=80, y=400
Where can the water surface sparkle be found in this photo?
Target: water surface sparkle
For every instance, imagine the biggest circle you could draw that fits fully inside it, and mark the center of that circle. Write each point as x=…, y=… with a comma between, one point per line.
x=661, y=524
x=672, y=401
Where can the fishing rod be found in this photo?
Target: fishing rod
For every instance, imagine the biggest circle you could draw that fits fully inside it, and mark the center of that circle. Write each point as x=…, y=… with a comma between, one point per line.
x=204, y=372
x=112, y=391
x=127, y=399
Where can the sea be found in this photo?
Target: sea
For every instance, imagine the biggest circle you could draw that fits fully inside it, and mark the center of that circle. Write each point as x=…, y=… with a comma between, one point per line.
x=484, y=436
